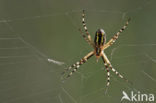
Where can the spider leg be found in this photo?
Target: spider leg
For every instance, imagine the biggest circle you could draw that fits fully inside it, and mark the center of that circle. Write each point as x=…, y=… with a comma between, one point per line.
x=108, y=73
x=87, y=40
x=77, y=64
x=115, y=37
x=84, y=26
x=110, y=66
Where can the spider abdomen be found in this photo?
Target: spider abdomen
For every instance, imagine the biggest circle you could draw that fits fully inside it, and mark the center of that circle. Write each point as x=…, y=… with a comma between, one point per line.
x=99, y=40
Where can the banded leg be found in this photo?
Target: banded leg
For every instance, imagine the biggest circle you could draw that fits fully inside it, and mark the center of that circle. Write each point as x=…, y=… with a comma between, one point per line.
x=108, y=73
x=77, y=64
x=84, y=26
x=110, y=66
x=115, y=37
x=87, y=40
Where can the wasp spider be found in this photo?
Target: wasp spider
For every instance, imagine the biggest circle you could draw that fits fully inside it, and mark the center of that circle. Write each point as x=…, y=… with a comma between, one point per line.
x=99, y=45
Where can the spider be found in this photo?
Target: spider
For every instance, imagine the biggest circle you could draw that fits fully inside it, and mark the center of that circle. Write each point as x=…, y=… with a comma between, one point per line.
x=99, y=45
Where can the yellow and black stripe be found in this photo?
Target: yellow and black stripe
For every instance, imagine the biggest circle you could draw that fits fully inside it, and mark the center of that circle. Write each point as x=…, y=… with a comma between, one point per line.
x=100, y=38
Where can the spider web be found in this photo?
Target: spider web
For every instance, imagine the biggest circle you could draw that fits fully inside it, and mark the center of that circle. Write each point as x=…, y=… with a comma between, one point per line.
x=38, y=42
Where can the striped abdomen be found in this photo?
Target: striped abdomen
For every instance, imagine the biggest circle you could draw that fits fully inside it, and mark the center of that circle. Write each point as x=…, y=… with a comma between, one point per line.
x=99, y=40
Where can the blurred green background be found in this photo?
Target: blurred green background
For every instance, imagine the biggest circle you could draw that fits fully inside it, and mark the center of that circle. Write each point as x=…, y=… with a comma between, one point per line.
x=31, y=31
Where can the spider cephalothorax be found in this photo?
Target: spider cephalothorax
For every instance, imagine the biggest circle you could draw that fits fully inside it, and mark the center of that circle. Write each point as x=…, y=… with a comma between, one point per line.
x=99, y=45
